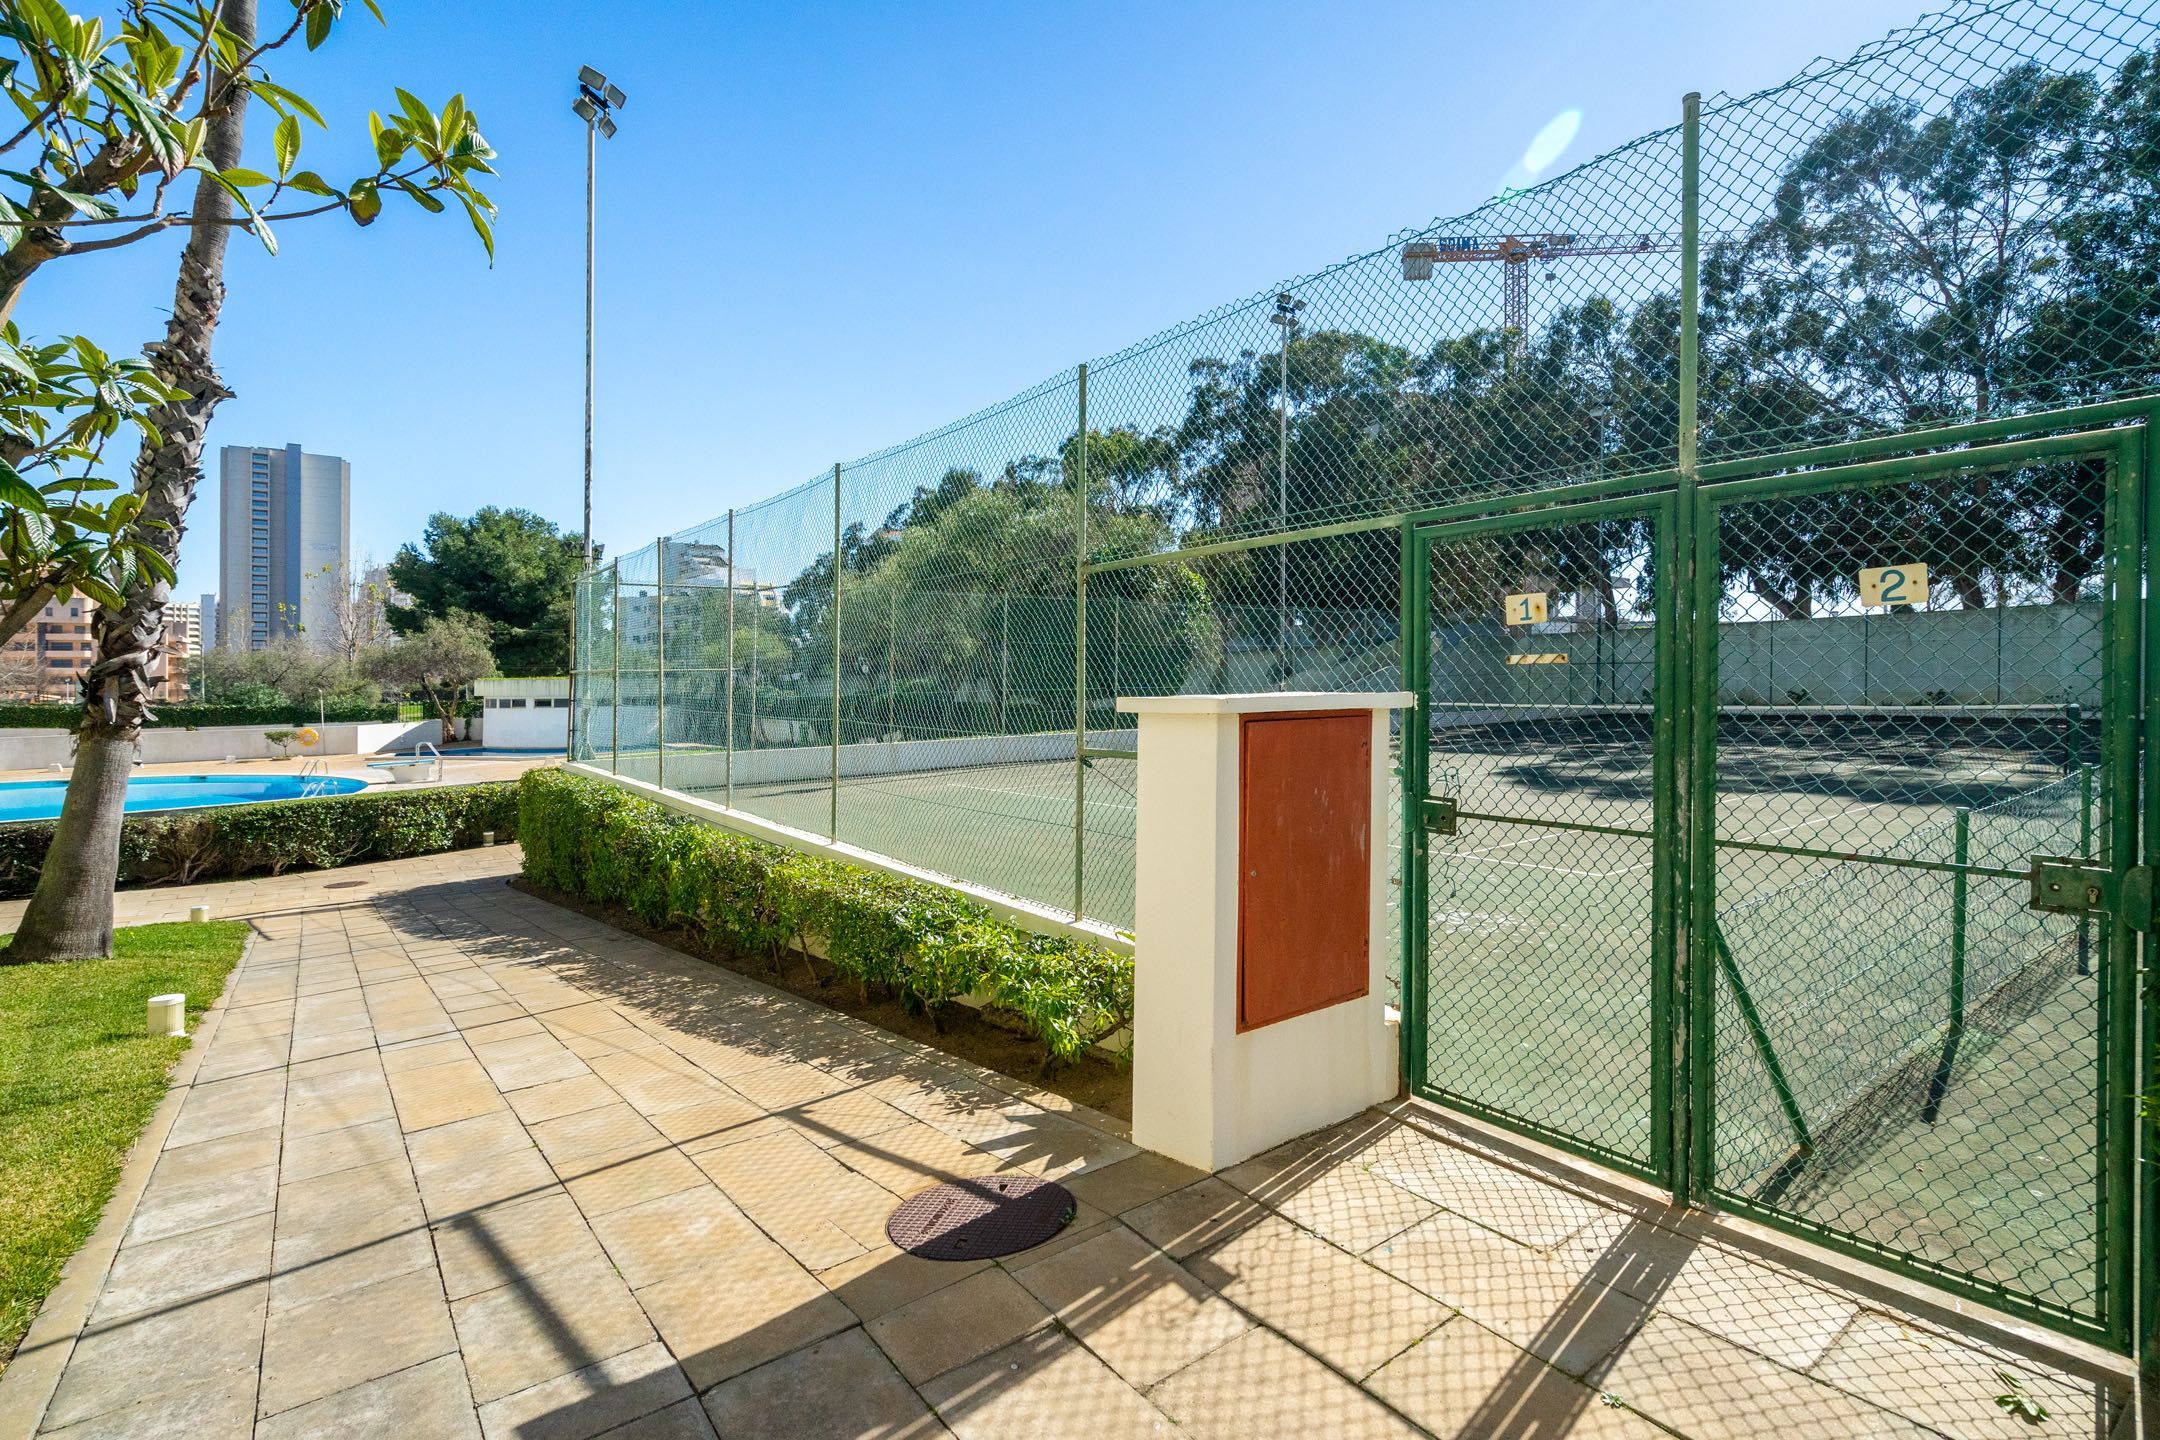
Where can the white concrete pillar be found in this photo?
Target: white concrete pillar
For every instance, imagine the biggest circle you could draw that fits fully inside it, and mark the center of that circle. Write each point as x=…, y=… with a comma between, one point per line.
x=1206, y=1092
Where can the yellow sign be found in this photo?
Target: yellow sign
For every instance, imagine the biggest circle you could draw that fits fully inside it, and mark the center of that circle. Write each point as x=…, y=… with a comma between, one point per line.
x=1557, y=657
x=1894, y=585
x=1528, y=609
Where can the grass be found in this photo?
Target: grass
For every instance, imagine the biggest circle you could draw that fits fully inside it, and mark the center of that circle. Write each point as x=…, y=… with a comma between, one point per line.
x=79, y=1079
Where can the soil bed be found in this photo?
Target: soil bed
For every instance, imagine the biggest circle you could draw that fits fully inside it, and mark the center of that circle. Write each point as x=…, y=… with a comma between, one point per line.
x=968, y=1034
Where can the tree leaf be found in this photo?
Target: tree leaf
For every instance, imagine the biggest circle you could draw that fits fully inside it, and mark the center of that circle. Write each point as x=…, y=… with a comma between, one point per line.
x=18, y=493
x=319, y=21
x=285, y=140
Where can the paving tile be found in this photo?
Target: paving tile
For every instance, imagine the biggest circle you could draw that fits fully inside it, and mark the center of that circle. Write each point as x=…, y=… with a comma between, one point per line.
x=1940, y=1382
x=428, y=1399
x=886, y=1278
x=440, y=1094
x=1261, y=1384
x=346, y=1149
x=691, y=1229
x=215, y=1159
x=617, y=1179
x=422, y=1054
x=221, y=1108
x=461, y=1142
x=166, y=1210
x=375, y=1330
x=336, y=1213
x=684, y=1420
x=1524, y=1207
x=723, y=1119
x=221, y=1409
x=158, y=1274
x=1354, y=1208
x=1465, y=1380
x=822, y=1212
x=913, y=1157
x=843, y=1386
x=1045, y=1385
x=762, y=1305
x=481, y=1249
x=546, y=1323
x=1144, y=1314
x=1189, y=1220
x=148, y=1356
x=594, y=1131
x=485, y=1180
x=1336, y=1306
x=952, y=1326
x=588, y=1402
x=561, y=1097
x=1711, y=1389
x=1509, y=1289
x=297, y=1281
x=1129, y=1184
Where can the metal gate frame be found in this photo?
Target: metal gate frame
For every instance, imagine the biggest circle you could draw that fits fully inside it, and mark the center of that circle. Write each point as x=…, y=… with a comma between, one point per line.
x=2125, y=434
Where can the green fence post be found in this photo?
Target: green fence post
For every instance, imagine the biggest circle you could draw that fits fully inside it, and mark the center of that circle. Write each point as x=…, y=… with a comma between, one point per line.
x=832, y=824
x=1004, y=660
x=660, y=662
x=730, y=761
x=1080, y=574
x=1684, y=1033
x=615, y=697
x=1760, y=1037
x=1117, y=643
x=2085, y=838
x=1961, y=852
x=892, y=650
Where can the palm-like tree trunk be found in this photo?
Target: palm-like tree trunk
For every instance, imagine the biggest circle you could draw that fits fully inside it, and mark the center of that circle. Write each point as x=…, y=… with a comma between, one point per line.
x=70, y=916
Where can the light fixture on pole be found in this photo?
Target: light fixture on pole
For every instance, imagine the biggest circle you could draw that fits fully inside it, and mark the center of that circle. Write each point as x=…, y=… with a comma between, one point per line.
x=596, y=104
x=1286, y=313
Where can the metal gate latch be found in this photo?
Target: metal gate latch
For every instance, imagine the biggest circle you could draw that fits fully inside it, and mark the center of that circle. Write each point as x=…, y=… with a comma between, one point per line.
x=2063, y=885
x=1440, y=814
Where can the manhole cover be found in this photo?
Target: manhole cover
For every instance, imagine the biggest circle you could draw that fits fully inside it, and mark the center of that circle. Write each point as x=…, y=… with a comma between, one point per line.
x=977, y=1219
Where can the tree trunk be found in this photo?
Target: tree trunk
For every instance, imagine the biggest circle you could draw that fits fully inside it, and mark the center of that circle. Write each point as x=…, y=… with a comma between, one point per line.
x=70, y=916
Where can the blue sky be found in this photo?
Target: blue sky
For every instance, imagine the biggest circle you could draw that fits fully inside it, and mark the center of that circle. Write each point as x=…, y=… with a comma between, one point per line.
x=829, y=227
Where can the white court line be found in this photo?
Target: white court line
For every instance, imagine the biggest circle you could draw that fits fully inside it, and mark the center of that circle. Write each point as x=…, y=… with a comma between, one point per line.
x=1035, y=795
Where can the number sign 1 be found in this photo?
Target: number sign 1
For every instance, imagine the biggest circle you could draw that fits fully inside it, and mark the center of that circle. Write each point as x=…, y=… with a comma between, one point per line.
x=1528, y=609
x=1894, y=585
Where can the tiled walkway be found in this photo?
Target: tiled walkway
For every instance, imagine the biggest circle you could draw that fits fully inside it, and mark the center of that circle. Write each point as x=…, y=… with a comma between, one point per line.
x=452, y=1161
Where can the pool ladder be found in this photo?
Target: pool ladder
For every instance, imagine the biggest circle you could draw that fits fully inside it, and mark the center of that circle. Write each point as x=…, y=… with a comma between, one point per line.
x=314, y=777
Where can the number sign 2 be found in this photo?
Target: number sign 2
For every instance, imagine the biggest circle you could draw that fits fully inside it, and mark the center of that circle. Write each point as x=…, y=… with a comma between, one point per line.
x=1528, y=609
x=1894, y=585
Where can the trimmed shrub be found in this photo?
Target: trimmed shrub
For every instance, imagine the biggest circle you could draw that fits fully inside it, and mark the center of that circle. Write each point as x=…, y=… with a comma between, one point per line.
x=226, y=842
x=187, y=715
x=747, y=898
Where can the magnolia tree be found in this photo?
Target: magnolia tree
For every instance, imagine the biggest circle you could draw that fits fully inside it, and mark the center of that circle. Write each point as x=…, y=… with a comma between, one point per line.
x=131, y=127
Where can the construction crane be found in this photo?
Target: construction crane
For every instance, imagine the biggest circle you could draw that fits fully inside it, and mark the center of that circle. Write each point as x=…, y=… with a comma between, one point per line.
x=1514, y=253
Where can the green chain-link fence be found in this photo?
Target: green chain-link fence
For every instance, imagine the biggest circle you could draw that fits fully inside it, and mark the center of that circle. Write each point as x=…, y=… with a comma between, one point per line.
x=1742, y=800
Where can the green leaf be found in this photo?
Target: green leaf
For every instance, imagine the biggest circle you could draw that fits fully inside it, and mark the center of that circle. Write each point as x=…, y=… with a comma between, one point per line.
x=365, y=201
x=285, y=140
x=421, y=197
x=319, y=21
x=237, y=177
x=292, y=99
x=309, y=183
x=390, y=145
x=480, y=226
x=18, y=493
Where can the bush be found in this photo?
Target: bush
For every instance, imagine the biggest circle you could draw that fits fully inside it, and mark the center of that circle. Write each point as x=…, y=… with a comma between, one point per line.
x=747, y=898
x=188, y=715
x=226, y=842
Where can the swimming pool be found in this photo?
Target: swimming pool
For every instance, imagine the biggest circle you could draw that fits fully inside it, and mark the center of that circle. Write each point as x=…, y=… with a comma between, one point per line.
x=500, y=752
x=40, y=799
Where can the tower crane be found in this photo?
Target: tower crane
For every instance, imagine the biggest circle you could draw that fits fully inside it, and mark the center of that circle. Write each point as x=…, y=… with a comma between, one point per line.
x=1514, y=254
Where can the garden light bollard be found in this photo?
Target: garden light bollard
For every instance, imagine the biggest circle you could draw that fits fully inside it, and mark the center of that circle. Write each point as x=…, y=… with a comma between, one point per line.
x=487, y=837
x=168, y=1015
x=199, y=914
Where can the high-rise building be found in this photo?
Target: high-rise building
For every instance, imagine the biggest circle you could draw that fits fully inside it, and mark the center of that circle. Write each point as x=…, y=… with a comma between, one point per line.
x=284, y=545
x=47, y=658
x=206, y=616
x=183, y=621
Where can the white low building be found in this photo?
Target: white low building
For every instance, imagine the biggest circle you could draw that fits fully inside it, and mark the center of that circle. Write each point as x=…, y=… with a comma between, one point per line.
x=531, y=714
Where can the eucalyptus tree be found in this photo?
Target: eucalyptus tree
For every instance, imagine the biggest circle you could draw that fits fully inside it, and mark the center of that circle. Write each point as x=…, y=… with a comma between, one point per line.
x=133, y=127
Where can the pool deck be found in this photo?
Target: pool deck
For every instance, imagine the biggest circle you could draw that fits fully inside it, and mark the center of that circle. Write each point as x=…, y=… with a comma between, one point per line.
x=456, y=769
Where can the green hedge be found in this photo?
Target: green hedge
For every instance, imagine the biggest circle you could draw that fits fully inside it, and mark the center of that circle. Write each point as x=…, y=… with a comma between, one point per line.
x=930, y=945
x=187, y=715
x=225, y=842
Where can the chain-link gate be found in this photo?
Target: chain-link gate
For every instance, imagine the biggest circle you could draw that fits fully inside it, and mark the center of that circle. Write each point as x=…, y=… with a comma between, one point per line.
x=1548, y=806
x=1808, y=892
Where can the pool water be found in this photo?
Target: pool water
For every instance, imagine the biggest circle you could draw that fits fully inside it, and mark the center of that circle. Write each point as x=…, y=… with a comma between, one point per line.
x=40, y=799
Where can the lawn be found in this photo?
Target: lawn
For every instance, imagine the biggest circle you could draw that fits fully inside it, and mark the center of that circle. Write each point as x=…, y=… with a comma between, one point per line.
x=79, y=1078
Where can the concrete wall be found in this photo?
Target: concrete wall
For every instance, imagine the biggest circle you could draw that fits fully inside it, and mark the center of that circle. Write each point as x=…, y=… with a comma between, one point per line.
x=41, y=749
x=521, y=726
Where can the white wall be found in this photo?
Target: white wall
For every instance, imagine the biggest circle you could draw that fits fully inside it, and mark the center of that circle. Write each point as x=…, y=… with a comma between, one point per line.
x=40, y=749
x=522, y=727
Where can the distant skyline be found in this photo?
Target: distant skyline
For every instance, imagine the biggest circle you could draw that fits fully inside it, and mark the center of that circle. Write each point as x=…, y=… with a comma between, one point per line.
x=828, y=228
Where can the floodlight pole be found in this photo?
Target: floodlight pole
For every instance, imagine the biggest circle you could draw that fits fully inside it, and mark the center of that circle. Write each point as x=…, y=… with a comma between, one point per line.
x=592, y=220
x=1286, y=308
